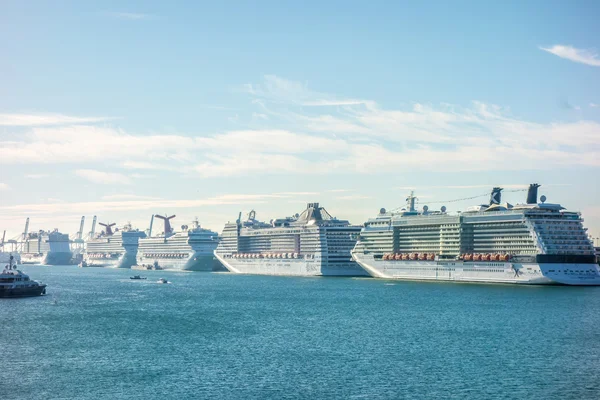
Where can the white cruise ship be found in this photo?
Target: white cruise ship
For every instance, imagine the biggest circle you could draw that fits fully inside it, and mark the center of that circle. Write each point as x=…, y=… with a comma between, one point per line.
x=116, y=249
x=191, y=249
x=531, y=243
x=47, y=248
x=308, y=244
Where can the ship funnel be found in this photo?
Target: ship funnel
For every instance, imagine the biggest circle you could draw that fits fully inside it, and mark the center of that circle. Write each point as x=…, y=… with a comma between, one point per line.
x=167, y=220
x=532, y=193
x=108, y=227
x=496, y=196
x=313, y=212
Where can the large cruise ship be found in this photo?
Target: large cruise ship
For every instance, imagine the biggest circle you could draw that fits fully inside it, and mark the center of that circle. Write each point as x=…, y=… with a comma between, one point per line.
x=47, y=248
x=308, y=244
x=530, y=243
x=191, y=249
x=116, y=249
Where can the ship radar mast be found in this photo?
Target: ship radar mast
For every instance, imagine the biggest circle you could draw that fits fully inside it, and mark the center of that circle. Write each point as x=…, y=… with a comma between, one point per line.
x=410, y=201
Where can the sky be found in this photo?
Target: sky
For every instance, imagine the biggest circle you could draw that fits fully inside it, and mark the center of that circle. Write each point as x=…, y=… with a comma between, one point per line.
x=206, y=109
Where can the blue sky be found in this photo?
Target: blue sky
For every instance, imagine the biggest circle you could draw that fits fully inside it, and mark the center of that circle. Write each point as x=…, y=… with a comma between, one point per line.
x=124, y=109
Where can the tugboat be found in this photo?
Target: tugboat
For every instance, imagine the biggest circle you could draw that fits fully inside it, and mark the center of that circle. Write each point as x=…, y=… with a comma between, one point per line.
x=14, y=283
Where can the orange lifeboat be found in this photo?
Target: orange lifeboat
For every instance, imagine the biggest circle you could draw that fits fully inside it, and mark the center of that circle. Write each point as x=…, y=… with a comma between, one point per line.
x=422, y=256
x=405, y=257
x=476, y=257
x=496, y=257
x=385, y=257
x=486, y=257
x=431, y=257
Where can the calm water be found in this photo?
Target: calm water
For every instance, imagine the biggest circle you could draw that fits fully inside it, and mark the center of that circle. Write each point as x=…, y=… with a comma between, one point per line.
x=99, y=335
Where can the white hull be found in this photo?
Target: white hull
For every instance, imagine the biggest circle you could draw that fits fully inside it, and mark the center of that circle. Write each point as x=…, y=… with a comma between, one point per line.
x=481, y=272
x=287, y=267
x=125, y=260
x=193, y=261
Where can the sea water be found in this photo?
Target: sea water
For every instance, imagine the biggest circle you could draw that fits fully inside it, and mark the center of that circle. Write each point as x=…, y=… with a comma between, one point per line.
x=99, y=335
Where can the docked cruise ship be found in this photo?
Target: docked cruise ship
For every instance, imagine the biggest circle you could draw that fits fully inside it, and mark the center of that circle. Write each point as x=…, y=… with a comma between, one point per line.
x=530, y=243
x=47, y=248
x=191, y=249
x=116, y=249
x=308, y=244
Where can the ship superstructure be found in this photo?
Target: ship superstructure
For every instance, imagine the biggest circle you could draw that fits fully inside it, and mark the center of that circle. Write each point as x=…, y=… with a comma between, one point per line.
x=307, y=244
x=45, y=247
x=530, y=243
x=116, y=249
x=191, y=249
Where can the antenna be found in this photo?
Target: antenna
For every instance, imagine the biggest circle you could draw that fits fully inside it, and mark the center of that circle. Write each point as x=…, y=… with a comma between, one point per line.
x=410, y=201
x=3, y=236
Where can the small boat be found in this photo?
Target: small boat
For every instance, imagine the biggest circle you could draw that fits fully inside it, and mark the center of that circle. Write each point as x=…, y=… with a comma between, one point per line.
x=137, y=277
x=162, y=280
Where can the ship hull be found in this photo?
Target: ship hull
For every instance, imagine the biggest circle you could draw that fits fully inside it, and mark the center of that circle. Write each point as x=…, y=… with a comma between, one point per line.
x=22, y=291
x=288, y=267
x=125, y=261
x=58, y=258
x=193, y=261
x=481, y=272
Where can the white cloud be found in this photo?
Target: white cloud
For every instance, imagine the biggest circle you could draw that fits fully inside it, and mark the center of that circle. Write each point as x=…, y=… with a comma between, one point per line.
x=36, y=176
x=128, y=197
x=4, y=186
x=44, y=119
x=101, y=177
x=582, y=56
x=594, y=105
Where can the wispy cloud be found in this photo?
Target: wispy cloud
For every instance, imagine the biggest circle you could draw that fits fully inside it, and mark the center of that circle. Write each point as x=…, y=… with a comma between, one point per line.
x=4, y=186
x=583, y=56
x=362, y=138
x=594, y=105
x=36, y=176
x=19, y=119
x=131, y=16
x=128, y=197
x=101, y=177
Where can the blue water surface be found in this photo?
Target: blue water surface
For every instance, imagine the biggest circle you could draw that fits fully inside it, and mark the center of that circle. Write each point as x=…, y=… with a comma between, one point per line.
x=99, y=335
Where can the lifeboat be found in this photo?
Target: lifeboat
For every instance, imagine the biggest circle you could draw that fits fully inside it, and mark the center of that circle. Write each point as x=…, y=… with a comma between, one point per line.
x=468, y=257
x=431, y=257
x=505, y=257
x=496, y=257
x=404, y=257
x=398, y=256
x=486, y=257
x=384, y=257
x=422, y=256
x=295, y=255
x=476, y=257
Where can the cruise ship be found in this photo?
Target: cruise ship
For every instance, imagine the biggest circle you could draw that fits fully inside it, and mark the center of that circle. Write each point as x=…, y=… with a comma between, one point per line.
x=191, y=249
x=116, y=249
x=47, y=248
x=309, y=244
x=530, y=243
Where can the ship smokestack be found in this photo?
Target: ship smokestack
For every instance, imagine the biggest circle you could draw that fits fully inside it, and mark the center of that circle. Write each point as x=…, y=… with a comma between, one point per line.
x=496, y=195
x=532, y=193
x=167, y=221
x=109, y=231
